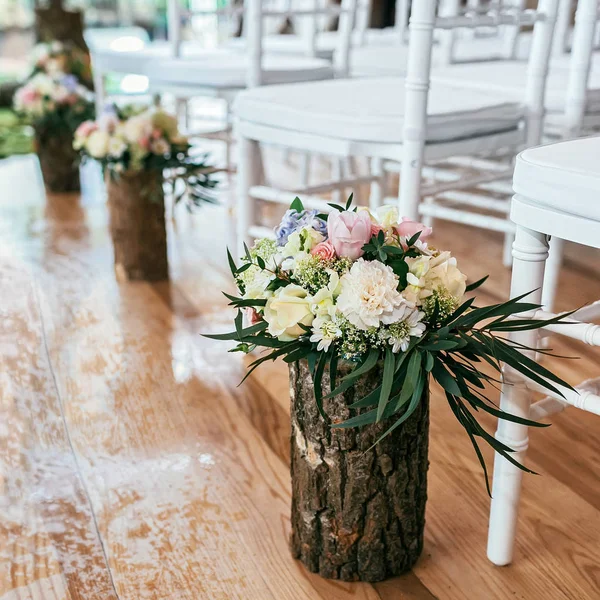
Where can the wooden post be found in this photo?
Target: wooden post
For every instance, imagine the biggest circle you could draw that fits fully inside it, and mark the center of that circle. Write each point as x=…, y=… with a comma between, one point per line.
x=358, y=512
x=137, y=226
x=58, y=161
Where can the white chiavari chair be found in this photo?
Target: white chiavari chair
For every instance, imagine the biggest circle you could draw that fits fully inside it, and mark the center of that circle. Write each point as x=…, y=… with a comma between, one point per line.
x=392, y=118
x=543, y=178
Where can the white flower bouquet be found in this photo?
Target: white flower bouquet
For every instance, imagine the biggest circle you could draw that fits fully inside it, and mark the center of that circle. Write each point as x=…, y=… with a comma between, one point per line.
x=368, y=289
x=131, y=140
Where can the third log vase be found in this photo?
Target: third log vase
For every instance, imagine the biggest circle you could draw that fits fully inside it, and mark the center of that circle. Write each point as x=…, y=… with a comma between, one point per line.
x=137, y=225
x=58, y=161
x=358, y=512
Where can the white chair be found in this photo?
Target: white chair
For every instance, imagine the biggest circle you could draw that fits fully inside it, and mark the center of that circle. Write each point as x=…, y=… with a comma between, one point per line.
x=188, y=70
x=390, y=118
x=544, y=177
x=491, y=41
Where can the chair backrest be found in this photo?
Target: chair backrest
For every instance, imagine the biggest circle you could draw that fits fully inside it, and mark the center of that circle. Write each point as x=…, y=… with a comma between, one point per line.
x=507, y=34
x=422, y=22
x=254, y=15
x=586, y=19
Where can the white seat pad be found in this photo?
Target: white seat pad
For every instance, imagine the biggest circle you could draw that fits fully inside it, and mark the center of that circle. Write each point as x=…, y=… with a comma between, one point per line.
x=326, y=42
x=508, y=78
x=372, y=110
x=209, y=68
x=391, y=60
x=563, y=176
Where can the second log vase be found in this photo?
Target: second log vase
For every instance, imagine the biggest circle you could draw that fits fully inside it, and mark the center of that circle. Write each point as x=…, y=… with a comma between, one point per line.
x=137, y=226
x=59, y=162
x=358, y=510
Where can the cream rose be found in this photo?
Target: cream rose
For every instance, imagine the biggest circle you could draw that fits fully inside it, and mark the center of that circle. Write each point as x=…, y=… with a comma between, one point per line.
x=428, y=273
x=286, y=311
x=97, y=143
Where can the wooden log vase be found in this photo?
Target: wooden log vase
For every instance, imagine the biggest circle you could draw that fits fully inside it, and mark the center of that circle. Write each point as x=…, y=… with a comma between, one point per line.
x=358, y=512
x=137, y=226
x=58, y=161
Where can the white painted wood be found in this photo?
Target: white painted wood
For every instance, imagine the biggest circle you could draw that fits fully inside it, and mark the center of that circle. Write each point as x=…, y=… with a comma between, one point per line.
x=378, y=187
x=530, y=250
x=421, y=24
x=563, y=25
x=248, y=176
x=174, y=26
x=579, y=68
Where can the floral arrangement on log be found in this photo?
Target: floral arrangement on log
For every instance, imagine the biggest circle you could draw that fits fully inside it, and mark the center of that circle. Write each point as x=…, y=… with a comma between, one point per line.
x=55, y=58
x=55, y=103
x=134, y=139
x=367, y=289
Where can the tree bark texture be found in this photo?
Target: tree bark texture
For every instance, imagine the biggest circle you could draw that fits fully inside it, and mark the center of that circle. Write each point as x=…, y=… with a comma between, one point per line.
x=137, y=226
x=358, y=513
x=58, y=161
x=57, y=23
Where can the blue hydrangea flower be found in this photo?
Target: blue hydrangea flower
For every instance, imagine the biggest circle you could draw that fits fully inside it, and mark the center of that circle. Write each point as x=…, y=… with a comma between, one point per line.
x=70, y=82
x=293, y=221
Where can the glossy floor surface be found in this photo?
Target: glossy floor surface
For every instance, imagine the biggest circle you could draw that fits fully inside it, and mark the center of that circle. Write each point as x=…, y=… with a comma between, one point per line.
x=132, y=467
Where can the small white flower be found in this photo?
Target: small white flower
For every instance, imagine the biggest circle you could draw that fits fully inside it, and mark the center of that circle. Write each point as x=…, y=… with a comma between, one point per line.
x=369, y=295
x=116, y=147
x=324, y=331
x=399, y=333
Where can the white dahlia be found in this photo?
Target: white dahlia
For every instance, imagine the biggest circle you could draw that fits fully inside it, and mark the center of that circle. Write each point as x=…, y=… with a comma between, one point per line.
x=369, y=295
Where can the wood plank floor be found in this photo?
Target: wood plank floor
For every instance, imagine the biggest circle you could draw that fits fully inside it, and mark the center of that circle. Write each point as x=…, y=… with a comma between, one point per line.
x=132, y=467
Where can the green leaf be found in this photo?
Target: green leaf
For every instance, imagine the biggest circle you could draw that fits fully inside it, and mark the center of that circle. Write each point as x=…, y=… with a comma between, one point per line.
x=445, y=379
x=349, y=201
x=318, y=383
x=369, y=362
x=438, y=345
x=234, y=335
x=388, y=378
x=261, y=263
x=231, y=262
x=333, y=364
x=297, y=205
x=413, y=240
x=298, y=354
x=476, y=284
x=428, y=361
x=336, y=206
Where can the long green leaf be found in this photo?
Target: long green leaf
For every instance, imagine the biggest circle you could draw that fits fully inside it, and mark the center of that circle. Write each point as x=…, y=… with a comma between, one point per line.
x=233, y=335
x=388, y=378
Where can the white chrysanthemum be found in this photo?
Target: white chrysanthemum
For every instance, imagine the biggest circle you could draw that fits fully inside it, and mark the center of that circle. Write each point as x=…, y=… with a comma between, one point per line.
x=399, y=334
x=116, y=147
x=369, y=295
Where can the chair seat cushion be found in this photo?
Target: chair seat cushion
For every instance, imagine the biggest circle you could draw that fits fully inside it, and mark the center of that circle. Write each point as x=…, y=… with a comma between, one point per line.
x=209, y=68
x=563, y=176
x=372, y=110
x=508, y=78
x=391, y=60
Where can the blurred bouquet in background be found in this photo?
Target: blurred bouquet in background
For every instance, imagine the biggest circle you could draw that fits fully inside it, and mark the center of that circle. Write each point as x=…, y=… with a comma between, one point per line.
x=57, y=57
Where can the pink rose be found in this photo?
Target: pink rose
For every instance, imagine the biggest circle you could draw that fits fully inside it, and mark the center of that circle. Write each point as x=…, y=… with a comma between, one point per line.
x=348, y=232
x=407, y=228
x=86, y=128
x=252, y=316
x=375, y=229
x=324, y=250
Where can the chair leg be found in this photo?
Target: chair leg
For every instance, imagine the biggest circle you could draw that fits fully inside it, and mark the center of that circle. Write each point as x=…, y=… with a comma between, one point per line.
x=530, y=251
x=509, y=238
x=304, y=169
x=552, y=273
x=378, y=187
x=249, y=174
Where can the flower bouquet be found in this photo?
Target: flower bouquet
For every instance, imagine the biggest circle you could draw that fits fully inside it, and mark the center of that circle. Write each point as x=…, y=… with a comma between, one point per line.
x=55, y=106
x=366, y=313
x=56, y=58
x=139, y=152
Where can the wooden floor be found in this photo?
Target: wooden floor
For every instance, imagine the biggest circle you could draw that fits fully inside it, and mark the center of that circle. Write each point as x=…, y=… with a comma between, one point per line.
x=133, y=467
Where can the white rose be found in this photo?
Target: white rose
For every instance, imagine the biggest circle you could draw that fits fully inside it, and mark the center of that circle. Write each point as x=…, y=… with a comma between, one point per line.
x=137, y=128
x=97, y=144
x=286, y=310
x=428, y=273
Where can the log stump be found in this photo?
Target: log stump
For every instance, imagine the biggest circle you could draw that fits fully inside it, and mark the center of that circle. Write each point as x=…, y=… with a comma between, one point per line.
x=58, y=161
x=137, y=226
x=357, y=513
